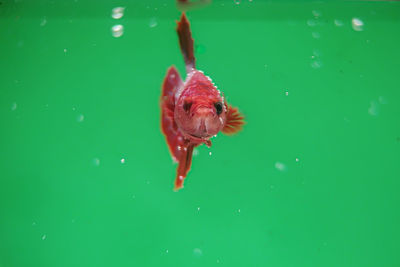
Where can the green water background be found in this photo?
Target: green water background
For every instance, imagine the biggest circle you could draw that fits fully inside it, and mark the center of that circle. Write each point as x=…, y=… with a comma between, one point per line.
x=312, y=180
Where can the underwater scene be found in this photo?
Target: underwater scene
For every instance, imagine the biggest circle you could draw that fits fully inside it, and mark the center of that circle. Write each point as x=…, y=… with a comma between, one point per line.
x=282, y=118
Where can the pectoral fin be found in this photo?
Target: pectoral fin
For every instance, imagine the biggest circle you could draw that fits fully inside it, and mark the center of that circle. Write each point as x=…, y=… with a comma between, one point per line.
x=185, y=162
x=171, y=84
x=234, y=121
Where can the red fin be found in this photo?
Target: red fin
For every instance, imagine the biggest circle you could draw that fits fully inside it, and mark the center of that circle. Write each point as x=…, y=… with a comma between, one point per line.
x=186, y=42
x=184, y=5
x=234, y=121
x=185, y=162
x=172, y=82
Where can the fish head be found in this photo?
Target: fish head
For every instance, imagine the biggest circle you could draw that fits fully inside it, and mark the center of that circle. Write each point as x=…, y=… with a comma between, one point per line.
x=200, y=116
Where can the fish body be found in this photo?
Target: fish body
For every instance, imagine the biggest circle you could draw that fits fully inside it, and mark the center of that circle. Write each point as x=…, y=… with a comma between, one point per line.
x=192, y=111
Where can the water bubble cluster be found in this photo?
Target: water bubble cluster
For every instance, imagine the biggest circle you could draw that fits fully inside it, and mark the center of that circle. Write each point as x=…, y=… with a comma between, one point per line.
x=316, y=62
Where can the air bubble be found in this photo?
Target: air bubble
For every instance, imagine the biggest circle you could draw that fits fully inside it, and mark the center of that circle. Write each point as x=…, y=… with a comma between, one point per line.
x=357, y=24
x=338, y=22
x=13, y=106
x=316, y=13
x=117, y=30
x=316, y=35
x=280, y=166
x=117, y=12
x=286, y=93
x=44, y=237
x=297, y=159
x=197, y=252
x=373, y=108
x=43, y=22
x=122, y=160
x=316, y=64
x=96, y=161
x=153, y=22
x=209, y=153
x=382, y=100
x=80, y=118
x=311, y=22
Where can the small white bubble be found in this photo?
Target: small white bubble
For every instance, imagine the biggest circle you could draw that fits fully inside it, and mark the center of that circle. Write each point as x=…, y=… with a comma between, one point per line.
x=311, y=22
x=280, y=166
x=316, y=53
x=197, y=252
x=153, y=22
x=44, y=237
x=239, y=210
x=73, y=108
x=237, y=2
x=43, y=22
x=65, y=50
x=133, y=196
x=382, y=100
x=180, y=177
x=217, y=261
x=117, y=12
x=338, y=22
x=297, y=159
x=96, y=161
x=195, y=152
x=286, y=93
x=34, y=224
x=357, y=24
x=316, y=35
x=316, y=64
x=13, y=106
x=179, y=148
x=117, y=30
x=316, y=13
x=209, y=153
x=198, y=208
x=166, y=251
x=373, y=108
x=122, y=160
x=80, y=118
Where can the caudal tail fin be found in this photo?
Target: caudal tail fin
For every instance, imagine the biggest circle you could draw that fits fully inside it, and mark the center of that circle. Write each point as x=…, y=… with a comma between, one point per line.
x=186, y=42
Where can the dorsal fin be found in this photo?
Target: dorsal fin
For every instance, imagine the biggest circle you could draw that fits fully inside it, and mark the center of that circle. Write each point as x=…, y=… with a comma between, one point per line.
x=186, y=43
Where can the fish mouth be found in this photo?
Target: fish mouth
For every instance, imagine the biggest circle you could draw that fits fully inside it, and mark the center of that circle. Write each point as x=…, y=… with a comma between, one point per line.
x=200, y=137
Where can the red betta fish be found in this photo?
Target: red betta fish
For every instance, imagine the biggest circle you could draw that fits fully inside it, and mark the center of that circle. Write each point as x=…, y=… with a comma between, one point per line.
x=192, y=111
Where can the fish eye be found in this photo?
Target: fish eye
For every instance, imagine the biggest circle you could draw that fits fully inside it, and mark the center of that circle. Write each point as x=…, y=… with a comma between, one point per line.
x=218, y=107
x=187, y=106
